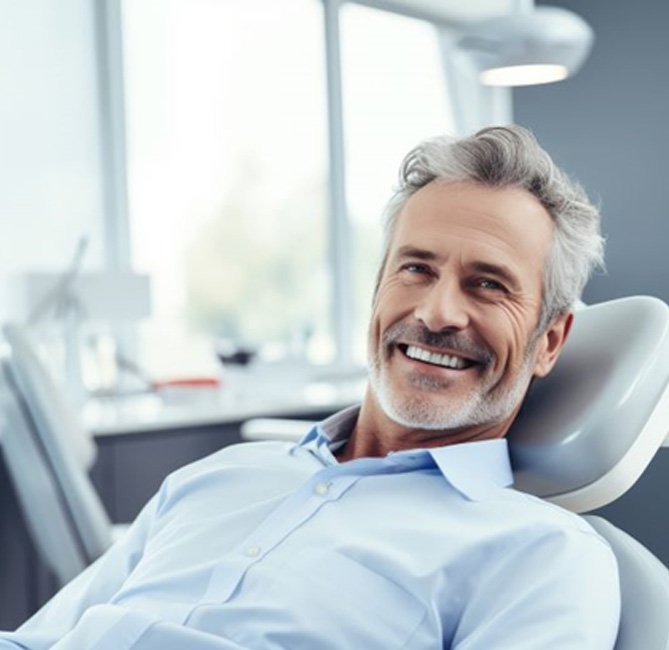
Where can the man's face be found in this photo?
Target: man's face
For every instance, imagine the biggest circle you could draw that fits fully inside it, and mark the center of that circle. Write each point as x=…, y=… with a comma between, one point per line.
x=453, y=341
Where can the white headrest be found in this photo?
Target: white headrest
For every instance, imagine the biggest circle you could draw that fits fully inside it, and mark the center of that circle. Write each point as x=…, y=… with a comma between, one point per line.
x=587, y=431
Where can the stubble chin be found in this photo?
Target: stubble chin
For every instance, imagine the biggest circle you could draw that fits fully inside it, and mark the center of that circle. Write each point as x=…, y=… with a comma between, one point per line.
x=416, y=404
x=424, y=401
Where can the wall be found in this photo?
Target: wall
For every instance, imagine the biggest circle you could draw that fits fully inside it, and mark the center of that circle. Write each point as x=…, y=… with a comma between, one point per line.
x=51, y=190
x=608, y=127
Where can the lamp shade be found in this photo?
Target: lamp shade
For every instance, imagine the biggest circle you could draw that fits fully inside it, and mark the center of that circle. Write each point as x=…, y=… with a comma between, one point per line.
x=544, y=45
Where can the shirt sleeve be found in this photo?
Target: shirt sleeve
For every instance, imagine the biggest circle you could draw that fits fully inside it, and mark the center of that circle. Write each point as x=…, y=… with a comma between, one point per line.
x=106, y=627
x=80, y=616
x=95, y=585
x=558, y=592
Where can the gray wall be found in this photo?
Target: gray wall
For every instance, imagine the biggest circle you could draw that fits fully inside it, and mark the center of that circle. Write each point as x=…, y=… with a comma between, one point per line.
x=608, y=127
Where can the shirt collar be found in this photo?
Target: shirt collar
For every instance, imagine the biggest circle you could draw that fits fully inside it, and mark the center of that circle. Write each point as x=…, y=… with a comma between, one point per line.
x=475, y=469
x=329, y=435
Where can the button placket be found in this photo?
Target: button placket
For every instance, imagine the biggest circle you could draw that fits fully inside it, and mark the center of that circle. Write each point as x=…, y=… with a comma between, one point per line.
x=283, y=521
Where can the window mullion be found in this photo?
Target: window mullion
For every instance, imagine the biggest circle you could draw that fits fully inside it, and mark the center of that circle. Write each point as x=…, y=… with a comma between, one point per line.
x=109, y=52
x=340, y=240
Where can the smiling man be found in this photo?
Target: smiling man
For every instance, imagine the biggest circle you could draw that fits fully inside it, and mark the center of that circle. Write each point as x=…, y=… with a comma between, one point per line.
x=392, y=524
x=455, y=336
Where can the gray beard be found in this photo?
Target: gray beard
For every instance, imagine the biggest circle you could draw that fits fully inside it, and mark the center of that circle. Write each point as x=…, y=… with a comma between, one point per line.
x=423, y=410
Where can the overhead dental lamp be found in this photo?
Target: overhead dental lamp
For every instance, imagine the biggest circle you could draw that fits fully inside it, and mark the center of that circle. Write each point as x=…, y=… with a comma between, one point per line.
x=531, y=46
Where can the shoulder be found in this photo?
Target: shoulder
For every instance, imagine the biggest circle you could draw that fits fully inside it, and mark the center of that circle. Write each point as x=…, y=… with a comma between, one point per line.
x=532, y=512
x=257, y=454
x=239, y=463
x=537, y=531
x=551, y=549
x=548, y=565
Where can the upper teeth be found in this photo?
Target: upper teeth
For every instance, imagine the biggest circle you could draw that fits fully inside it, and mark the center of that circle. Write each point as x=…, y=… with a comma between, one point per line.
x=447, y=360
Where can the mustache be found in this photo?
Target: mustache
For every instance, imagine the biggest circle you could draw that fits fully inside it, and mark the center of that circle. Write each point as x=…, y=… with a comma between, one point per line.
x=415, y=333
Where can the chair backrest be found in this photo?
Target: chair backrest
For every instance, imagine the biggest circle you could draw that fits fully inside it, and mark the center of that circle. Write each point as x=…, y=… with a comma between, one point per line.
x=60, y=435
x=61, y=416
x=644, y=586
x=588, y=430
x=43, y=504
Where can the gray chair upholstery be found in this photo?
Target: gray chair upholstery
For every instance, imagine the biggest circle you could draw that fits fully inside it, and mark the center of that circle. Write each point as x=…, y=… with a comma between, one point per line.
x=66, y=453
x=644, y=585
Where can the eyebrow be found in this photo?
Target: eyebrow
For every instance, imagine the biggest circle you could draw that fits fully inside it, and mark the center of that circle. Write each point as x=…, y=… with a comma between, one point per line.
x=500, y=271
x=404, y=252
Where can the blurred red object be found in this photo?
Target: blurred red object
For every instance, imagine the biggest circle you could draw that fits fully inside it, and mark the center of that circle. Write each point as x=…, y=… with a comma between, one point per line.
x=189, y=382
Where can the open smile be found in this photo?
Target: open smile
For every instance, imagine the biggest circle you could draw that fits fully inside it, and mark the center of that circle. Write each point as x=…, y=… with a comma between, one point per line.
x=443, y=360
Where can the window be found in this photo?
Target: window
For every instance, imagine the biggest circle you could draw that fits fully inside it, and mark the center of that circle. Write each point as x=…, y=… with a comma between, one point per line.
x=50, y=153
x=227, y=177
x=227, y=166
x=395, y=95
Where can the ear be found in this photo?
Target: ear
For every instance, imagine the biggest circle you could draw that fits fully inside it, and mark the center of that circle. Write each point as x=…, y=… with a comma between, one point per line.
x=551, y=342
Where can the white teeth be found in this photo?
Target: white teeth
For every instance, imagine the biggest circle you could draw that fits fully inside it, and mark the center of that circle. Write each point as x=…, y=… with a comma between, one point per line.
x=446, y=360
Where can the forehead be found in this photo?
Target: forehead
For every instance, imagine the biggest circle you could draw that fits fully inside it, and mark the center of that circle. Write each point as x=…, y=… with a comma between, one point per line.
x=476, y=223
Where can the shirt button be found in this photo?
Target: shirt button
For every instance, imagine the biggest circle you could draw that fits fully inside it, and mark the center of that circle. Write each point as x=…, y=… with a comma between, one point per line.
x=321, y=489
x=253, y=551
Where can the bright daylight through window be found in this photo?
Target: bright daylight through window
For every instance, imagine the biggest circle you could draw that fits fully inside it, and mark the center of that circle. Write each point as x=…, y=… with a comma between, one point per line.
x=227, y=167
x=395, y=95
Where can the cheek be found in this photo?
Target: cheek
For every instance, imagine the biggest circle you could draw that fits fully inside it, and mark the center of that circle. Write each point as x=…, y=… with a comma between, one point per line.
x=508, y=332
x=375, y=324
x=391, y=305
x=374, y=331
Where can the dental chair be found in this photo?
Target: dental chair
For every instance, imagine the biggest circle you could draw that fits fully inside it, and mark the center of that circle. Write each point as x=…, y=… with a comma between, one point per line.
x=585, y=434
x=48, y=456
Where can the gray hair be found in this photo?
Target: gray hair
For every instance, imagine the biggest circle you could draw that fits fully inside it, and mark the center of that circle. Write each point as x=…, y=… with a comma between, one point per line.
x=510, y=156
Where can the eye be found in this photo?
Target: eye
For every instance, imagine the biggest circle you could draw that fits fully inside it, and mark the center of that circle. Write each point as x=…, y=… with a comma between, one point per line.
x=415, y=273
x=490, y=285
x=414, y=267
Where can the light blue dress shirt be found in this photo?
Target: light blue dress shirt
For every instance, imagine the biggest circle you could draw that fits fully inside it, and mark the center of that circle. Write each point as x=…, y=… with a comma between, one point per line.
x=274, y=545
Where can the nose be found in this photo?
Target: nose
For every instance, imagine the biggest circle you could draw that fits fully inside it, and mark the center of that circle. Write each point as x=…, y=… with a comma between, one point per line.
x=443, y=306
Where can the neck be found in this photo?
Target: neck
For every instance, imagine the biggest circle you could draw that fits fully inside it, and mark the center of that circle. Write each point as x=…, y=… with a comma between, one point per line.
x=376, y=435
